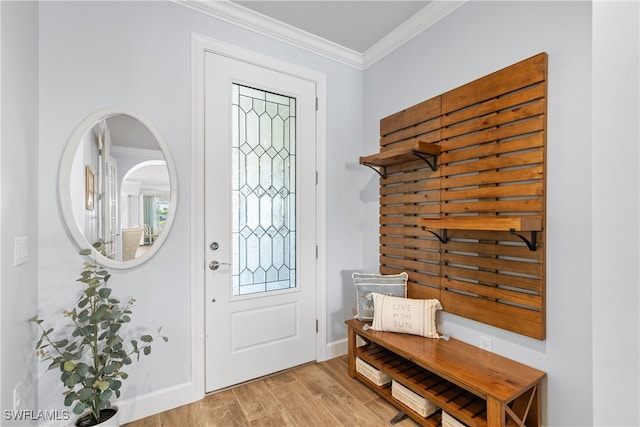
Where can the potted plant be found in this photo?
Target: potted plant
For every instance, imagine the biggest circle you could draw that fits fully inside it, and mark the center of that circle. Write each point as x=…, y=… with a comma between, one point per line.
x=92, y=354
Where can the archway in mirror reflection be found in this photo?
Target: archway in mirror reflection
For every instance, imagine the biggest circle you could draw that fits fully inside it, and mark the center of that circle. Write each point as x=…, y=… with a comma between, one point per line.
x=120, y=187
x=144, y=203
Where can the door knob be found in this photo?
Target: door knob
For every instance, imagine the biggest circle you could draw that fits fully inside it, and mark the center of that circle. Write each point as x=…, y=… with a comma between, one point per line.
x=214, y=265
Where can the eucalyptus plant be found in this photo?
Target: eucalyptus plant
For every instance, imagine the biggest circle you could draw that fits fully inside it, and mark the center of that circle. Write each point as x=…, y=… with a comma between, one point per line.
x=92, y=356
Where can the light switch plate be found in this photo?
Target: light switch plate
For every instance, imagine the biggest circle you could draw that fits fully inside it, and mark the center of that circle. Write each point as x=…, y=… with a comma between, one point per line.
x=21, y=250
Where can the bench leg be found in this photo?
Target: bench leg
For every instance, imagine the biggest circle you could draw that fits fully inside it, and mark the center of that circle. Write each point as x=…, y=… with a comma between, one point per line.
x=495, y=412
x=351, y=352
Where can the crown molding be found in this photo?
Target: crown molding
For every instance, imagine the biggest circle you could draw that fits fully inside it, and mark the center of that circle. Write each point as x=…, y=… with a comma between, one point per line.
x=423, y=19
x=246, y=18
x=243, y=17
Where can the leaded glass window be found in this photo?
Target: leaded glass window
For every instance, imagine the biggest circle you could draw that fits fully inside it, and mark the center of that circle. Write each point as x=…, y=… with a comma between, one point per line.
x=263, y=191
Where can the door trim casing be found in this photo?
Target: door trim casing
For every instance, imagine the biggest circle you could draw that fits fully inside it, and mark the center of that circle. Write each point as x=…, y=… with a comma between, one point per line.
x=199, y=46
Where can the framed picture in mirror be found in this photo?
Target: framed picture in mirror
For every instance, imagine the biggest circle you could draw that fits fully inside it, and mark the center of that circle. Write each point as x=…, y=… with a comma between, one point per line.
x=89, y=186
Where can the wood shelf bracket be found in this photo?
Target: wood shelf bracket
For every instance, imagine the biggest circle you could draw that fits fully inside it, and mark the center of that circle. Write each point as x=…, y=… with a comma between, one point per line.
x=531, y=244
x=382, y=171
x=424, y=156
x=429, y=159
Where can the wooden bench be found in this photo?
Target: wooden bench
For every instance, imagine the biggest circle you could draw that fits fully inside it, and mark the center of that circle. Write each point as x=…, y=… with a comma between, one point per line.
x=477, y=387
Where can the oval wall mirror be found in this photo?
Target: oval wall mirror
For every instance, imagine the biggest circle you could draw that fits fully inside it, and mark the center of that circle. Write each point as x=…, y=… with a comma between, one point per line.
x=117, y=185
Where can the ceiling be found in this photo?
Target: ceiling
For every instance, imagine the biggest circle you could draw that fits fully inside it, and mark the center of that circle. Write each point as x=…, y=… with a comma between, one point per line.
x=355, y=32
x=129, y=132
x=356, y=25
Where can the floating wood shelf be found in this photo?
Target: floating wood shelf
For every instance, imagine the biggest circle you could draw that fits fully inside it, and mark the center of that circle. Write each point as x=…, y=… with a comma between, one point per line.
x=401, y=154
x=490, y=223
x=484, y=223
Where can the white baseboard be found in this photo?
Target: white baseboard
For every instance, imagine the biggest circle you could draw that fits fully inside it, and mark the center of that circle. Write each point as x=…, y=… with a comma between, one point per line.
x=154, y=403
x=336, y=349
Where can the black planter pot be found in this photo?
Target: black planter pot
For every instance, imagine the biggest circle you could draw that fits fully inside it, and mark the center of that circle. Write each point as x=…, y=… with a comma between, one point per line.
x=88, y=420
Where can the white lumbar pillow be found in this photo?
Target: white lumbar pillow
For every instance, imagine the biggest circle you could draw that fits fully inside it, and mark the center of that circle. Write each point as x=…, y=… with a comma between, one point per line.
x=405, y=315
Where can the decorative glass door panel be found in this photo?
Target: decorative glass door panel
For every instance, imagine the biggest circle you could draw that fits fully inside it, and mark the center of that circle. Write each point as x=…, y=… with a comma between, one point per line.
x=263, y=191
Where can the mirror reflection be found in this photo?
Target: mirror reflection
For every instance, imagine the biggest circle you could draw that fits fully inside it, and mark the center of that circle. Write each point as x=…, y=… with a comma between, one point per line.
x=119, y=184
x=144, y=204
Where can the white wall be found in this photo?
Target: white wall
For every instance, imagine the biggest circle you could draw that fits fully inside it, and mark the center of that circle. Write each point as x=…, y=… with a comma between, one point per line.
x=475, y=40
x=616, y=190
x=138, y=54
x=19, y=147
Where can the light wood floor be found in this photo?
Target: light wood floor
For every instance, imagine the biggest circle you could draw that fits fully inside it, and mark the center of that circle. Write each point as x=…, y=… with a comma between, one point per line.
x=319, y=394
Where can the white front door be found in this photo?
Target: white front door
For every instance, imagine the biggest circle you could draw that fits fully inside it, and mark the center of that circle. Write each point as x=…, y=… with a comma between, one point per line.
x=260, y=218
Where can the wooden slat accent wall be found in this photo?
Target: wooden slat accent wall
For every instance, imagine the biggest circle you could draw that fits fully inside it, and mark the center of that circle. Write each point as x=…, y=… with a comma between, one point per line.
x=492, y=138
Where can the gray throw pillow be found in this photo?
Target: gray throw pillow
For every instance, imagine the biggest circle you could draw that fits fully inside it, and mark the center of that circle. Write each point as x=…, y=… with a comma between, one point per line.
x=386, y=284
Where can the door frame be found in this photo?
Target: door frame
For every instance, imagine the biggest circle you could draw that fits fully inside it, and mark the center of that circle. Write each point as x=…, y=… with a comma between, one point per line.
x=200, y=45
